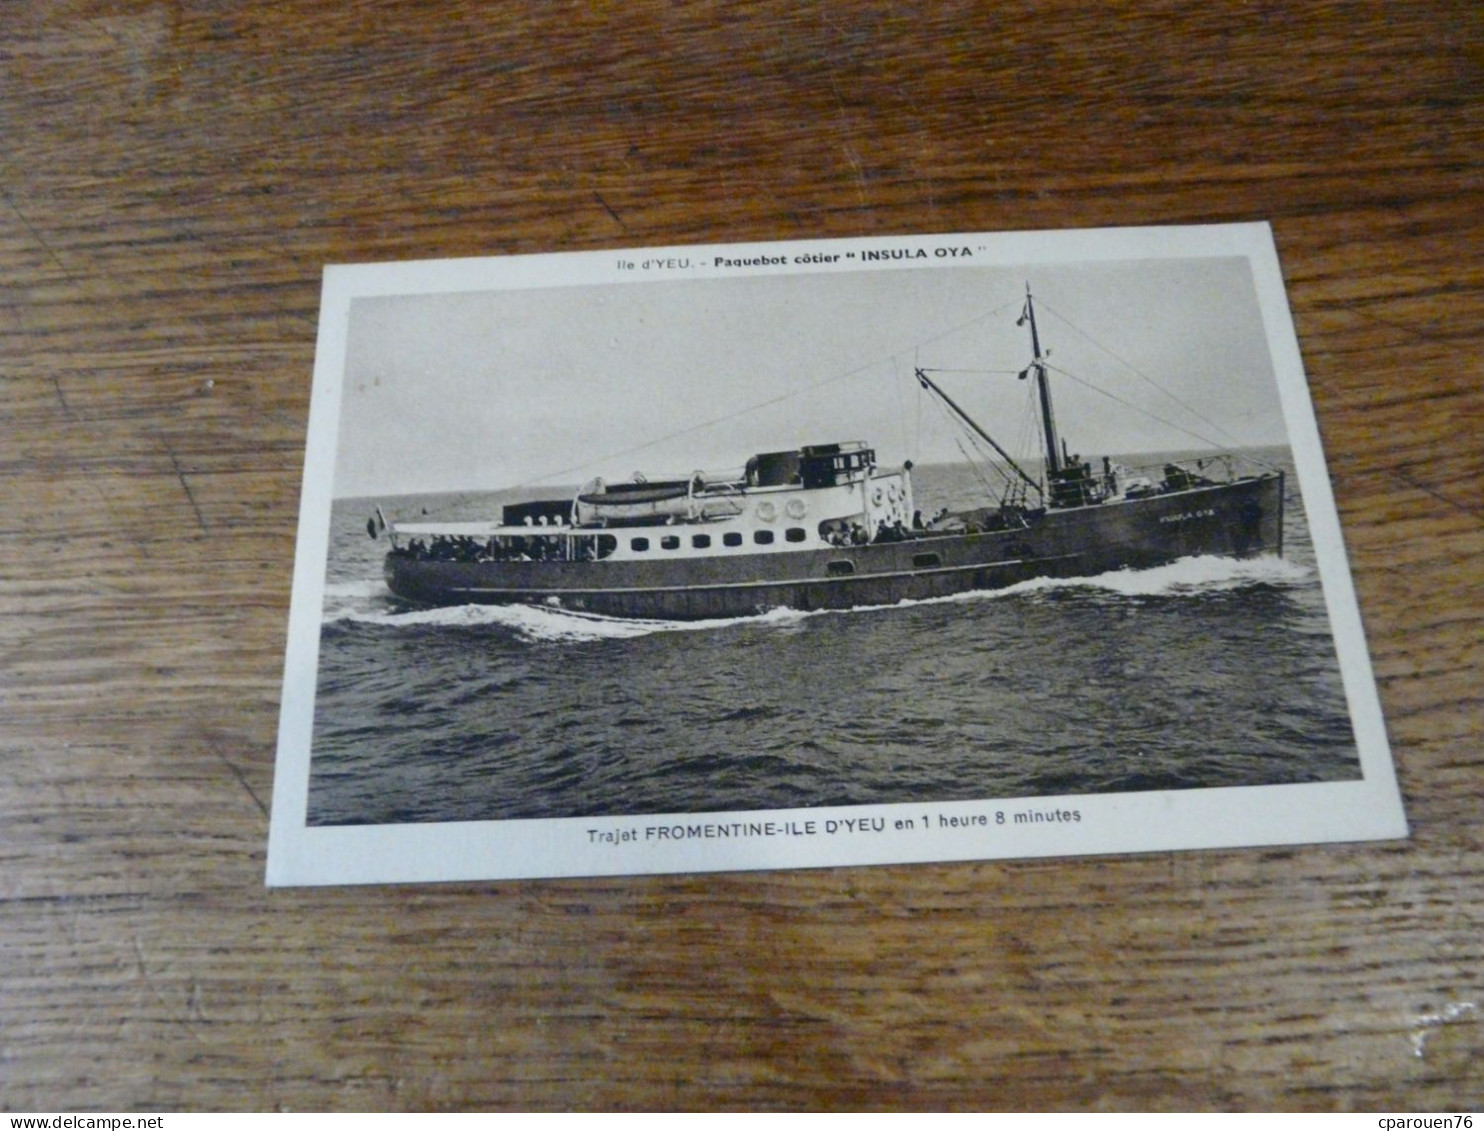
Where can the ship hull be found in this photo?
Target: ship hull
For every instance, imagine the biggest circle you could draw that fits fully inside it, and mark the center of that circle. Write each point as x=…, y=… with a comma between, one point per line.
x=1239, y=519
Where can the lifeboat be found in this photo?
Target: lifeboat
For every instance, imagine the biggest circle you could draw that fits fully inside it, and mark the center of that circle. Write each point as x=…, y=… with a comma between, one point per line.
x=640, y=501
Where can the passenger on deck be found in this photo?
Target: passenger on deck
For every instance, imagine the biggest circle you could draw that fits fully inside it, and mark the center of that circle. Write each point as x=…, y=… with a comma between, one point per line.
x=891, y=532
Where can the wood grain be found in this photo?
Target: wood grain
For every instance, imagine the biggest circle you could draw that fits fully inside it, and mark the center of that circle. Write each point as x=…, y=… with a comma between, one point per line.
x=173, y=176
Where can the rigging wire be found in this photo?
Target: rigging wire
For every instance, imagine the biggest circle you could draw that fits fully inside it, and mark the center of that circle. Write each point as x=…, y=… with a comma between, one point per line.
x=975, y=470
x=917, y=406
x=1043, y=305
x=896, y=385
x=691, y=429
x=703, y=425
x=980, y=456
x=1030, y=438
x=989, y=372
x=894, y=359
x=1112, y=397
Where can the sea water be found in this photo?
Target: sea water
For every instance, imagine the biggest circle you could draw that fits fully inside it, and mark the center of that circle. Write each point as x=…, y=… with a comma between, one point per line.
x=1203, y=673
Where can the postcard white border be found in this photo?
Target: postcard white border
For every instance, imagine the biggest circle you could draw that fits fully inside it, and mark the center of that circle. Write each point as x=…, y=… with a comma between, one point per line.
x=1368, y=809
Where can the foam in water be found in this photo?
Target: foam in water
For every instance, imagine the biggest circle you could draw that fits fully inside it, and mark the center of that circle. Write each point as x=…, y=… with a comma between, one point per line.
x=1206, y=574
x=348, y=600
x=367, y=602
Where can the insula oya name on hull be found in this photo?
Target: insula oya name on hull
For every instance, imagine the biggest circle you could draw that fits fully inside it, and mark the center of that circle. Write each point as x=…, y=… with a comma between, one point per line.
x=824, y=527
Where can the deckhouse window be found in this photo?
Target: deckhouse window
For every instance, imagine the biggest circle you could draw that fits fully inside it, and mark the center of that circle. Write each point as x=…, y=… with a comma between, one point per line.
x=638, y=545
x=763, y=537
x=670, y=542
x=840, y=568
x=700, y=541
x=732, y=539
x=926, y=561
x=607, y=543
x=795, y=534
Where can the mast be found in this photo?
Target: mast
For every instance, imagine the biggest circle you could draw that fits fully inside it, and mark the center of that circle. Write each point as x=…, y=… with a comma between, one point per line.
x=1058, y=466
x=1043, y=388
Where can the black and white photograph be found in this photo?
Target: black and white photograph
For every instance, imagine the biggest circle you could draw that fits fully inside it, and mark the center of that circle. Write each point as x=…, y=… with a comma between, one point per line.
x=831, y=552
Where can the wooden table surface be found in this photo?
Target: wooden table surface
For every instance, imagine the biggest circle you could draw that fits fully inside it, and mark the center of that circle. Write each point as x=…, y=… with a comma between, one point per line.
x=173, y=176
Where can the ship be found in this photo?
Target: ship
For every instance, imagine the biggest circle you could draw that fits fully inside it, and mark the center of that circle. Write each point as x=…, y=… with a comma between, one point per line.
x=824, y=526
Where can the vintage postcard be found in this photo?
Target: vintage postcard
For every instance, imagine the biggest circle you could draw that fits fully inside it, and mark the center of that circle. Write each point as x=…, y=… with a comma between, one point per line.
x=837, y=552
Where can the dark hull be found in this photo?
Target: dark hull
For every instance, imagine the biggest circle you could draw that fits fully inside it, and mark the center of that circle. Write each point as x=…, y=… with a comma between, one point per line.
x=1240, y=519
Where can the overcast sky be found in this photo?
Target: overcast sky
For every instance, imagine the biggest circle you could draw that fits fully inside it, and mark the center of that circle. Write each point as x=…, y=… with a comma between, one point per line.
x=499, y=388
